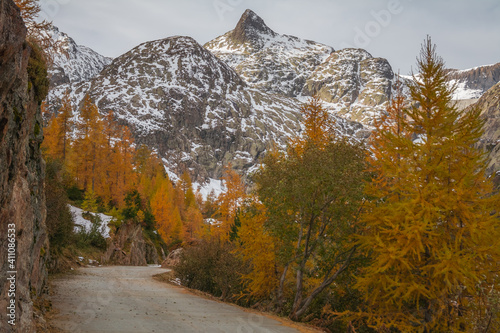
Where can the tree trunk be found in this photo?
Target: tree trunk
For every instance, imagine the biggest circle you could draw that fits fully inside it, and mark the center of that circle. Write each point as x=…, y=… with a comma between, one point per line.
x=298, y=295
x=279, y=300
x=300, y=306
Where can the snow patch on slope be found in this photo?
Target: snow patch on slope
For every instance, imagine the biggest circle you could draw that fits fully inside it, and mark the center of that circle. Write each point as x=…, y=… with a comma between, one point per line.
x=83, y=224
x=463, y=92
x=215, y=186
x=76, y=63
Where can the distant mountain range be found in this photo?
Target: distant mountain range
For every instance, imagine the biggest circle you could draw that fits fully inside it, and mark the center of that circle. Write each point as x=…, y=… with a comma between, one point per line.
x=202, y=107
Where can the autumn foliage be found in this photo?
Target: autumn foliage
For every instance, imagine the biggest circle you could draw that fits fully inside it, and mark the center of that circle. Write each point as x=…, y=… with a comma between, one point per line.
x=39, y=29
x=398, y=235
x=310, y=195
x=102, y=158
x=431, y=227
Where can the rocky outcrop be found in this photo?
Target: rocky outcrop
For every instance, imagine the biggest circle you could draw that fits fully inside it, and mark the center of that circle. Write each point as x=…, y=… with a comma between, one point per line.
x=173, y=258
x=353, y=83
x=249, y=29
x=130, y=248
x=22, y=201
x=489, y=104
x=474, y=82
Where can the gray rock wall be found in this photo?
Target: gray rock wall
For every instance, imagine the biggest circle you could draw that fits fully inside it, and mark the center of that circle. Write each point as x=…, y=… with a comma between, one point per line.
x=130, y=248
x=22, y=200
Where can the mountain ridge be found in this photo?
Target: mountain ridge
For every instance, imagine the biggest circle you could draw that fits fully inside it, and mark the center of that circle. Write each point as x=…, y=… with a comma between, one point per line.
x=76, y=63
x=203, y=107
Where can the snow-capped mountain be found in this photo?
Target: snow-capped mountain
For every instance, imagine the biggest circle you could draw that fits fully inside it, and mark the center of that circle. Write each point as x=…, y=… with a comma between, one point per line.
x=202, y=107
x=192, y=107
x=76, y=63
x=267, y=60
x=180, y=99
x=351, y=82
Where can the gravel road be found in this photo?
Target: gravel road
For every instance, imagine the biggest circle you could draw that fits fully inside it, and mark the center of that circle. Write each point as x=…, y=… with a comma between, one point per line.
x=128, y=299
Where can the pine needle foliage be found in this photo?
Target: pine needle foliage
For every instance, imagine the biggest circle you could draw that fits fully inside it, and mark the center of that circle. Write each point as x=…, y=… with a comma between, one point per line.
x=431, y=226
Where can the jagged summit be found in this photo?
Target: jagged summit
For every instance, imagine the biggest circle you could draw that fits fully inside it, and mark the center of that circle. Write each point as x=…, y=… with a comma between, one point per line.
x=250, y=27
x=191, y=107
x=267, y=60
x=77, y=63
x=202, y=107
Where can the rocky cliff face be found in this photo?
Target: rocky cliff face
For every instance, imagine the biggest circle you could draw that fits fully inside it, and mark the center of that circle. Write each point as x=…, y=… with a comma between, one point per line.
x=489, y=104
x=22, y=202
x=129, y=247
x=474, y=82
x=353, y=83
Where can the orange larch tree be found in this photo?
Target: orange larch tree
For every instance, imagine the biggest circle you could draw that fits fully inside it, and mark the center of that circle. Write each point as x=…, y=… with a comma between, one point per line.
x=228, y=203
x=57, y=135
x=192, y=218
x=88, y=144
x=50, y=145
x=167, y=215
x=431, y=226
x=122, y=173
x=257, y=247
x=66, y=124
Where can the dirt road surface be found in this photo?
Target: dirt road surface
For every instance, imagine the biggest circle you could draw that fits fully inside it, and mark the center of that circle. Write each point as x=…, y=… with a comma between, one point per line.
x=128, y=299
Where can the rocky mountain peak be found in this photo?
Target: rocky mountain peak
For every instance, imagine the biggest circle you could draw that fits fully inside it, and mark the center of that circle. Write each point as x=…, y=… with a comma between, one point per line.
x=267, y=60
x=201, y=107
x=250, y=27
x=74, y=63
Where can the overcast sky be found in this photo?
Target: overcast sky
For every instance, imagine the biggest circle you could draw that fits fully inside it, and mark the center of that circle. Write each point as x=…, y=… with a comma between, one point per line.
x=467, y=32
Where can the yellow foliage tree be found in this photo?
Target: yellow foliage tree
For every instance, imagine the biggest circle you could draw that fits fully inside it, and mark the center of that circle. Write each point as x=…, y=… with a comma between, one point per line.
x=192, y=224
x=228, y=203
x=167, y=216
x=87, y=166
x=122, y=175
x=64, y=118
x=50, y=144
x=150, y=169
x=432, y=225
x=256, y=247
x=191, y=216
x=318, y=127
x=57, y=135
